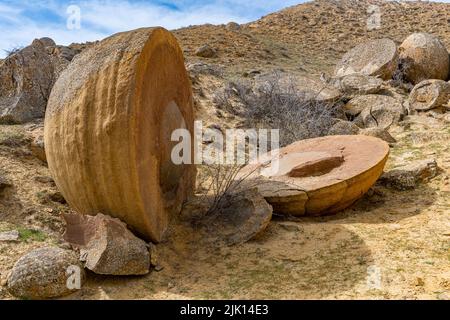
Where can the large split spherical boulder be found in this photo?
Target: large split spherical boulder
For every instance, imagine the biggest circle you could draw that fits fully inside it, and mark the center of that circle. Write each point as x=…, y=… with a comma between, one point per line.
x=429, y=94
x=319, y=176
x=373, y=58
x=423, y=56
x=108, y=130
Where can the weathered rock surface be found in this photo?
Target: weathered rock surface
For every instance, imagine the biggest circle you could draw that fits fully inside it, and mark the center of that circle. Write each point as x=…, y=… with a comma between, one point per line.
x=44, y=273
x=423, y=56
x=374, y=111
x=429, y=94
x=342, y=127
x=206, y=51
x=381, y=133
x=107, y=246
x=108, y=130
x=27, y=77
x=410, y=175
x=240, y=217
x=341, y=169
x=372, y=58
x=357, y=84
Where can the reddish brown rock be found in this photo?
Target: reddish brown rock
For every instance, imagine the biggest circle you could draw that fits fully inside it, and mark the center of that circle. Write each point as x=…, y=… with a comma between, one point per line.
x=333, y=189
x=107, y=246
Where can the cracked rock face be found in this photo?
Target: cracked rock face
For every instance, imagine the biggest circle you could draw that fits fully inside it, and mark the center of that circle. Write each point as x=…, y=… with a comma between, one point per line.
x=374, y=110
x=372, y=58
x=106, y=245
x=27, y=77
x=319, y=176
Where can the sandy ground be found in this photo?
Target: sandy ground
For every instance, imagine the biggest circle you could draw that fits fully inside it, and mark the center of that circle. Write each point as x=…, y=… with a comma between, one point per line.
x=389, y=245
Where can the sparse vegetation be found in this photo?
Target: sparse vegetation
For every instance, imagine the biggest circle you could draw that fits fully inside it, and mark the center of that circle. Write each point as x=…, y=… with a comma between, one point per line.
x=278, y=103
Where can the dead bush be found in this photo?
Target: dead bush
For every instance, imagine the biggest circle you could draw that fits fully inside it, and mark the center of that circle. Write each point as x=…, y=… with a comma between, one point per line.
x=277, y=103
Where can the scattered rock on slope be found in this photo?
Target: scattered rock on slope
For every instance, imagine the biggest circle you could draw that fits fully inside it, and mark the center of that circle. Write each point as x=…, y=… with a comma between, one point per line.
x=44, y=273
x=206, y=51
x=372, y=58
x=429, y=94
x=423, y=56
x=408, y=176
x=27, y=77
x=107, y=246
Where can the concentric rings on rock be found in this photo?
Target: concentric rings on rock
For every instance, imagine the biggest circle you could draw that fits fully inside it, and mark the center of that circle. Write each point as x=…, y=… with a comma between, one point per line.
x=108, y=127
x=372, y=58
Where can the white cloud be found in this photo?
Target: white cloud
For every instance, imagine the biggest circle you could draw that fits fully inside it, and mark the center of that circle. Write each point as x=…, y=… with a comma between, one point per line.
x=101, y=18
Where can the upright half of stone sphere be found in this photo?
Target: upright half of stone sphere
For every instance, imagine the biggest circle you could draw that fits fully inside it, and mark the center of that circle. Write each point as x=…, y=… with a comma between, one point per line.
x=423, y=57
x=372, y=58
x=108, y=130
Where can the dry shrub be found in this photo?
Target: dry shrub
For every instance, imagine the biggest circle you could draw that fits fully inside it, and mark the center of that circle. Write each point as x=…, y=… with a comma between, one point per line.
x=278, y=103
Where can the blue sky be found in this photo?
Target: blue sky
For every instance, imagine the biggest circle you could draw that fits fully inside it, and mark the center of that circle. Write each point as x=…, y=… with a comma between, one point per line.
x=23, y=20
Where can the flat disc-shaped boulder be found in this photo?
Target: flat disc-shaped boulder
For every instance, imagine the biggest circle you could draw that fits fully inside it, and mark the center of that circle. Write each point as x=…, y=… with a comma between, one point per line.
x=423, y=56
x=108, y=129
x=372, y=58
x=429, y=94
x=319, y=176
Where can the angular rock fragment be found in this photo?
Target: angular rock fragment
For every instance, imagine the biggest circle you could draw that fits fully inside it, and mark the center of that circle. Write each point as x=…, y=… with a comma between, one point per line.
x=108, y=130
x=372, y=58
x=429, y=94
x=106, y=245
x=381, y=133
x=46, y=273
x=341, y=170
x=410, y=175
x=423, y=57
x=374, y=110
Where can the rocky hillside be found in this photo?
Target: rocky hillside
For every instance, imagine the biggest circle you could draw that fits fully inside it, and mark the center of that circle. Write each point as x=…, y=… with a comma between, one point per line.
x=311, y=37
